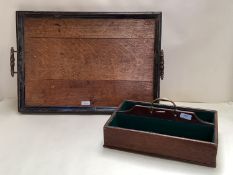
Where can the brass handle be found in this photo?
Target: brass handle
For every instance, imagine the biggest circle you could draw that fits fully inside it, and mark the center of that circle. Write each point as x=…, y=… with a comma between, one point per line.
x=167, y=100
x=12, y=61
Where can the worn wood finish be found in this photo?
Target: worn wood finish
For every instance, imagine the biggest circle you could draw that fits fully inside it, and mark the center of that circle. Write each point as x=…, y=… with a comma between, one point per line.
x=159, y=145
x=90, y=28
x=187, y=150
x=72, y=92
x=68, y=57
x=82, y=66
x=89, y=59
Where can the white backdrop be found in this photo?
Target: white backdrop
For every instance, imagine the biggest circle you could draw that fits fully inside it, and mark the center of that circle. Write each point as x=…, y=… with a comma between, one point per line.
x=197, y=38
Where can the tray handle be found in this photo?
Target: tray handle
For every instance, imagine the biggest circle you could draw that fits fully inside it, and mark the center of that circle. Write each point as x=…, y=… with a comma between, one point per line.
x=166, y=100
x=161, y=66
x=12, y=61
x=175, y=111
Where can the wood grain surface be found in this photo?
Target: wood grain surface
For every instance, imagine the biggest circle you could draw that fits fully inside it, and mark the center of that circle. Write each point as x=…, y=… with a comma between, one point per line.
x=72, y=92
x=192, y=151
x=102, y=60
x=90, y=28
x=89, y=59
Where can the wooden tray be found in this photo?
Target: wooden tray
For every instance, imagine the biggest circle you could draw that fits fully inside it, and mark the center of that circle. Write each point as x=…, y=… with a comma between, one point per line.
x=185, y=134
x=86, y=62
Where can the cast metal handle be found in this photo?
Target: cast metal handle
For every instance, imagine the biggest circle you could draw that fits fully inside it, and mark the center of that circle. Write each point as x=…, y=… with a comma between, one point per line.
x=161, y=66
x=12, y=61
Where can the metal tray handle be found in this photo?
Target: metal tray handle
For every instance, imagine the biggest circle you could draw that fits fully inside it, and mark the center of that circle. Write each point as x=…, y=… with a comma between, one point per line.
x=164, y=99
x=12, y=61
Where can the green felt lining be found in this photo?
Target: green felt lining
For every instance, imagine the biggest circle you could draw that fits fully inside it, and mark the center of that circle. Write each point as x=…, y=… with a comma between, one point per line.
x=190, y=130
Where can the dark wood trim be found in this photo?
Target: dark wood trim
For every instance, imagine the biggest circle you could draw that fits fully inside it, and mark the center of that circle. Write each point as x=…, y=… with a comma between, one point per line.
x=20, y=15
x=20, y=60
x=157, y=49
x=121, y=15
x=70, y=110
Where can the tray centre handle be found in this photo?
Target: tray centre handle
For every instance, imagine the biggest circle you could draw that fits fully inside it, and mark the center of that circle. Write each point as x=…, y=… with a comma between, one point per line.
x=166, y=100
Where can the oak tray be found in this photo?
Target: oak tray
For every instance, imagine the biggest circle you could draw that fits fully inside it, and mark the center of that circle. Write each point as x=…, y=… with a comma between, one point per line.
x=86, y=62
